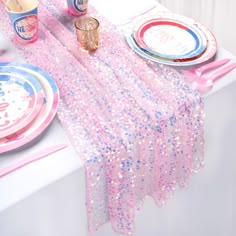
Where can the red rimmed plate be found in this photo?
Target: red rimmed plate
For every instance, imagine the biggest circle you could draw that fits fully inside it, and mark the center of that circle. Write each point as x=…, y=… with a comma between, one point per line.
x=21, y=98
x=203, y=57
x=169, y=39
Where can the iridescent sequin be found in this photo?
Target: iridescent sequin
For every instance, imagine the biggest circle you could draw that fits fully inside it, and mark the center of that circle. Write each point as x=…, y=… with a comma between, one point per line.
x=136, y=124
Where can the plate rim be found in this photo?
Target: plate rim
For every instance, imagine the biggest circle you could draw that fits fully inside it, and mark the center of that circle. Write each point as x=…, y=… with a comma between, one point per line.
x=201, y=44
x=37, y=103
x=211, y=41
x=50, y=110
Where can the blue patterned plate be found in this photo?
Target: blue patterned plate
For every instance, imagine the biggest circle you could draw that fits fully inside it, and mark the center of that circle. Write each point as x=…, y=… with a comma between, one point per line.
x=21, y=98
x=47, y=111
x=169, y=38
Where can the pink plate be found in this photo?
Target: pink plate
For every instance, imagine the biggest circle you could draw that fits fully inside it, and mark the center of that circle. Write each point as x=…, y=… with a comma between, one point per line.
x=170, y=39
x=45, y=115
x=209, y=52
x=21, y=98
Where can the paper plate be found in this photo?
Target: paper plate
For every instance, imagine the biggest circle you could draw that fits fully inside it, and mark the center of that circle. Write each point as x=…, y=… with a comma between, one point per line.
x=46, y=113
x=209, y=52
x=21, y=97
x=170, y=39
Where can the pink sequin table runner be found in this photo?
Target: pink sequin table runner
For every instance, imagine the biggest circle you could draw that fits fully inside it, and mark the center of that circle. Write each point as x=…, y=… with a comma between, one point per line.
x=136, y=124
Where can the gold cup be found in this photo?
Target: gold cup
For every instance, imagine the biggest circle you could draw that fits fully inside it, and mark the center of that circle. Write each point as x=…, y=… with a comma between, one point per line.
x=87, y=30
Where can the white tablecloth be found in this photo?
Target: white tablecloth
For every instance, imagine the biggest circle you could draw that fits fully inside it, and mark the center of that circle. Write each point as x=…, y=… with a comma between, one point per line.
x=47, y=198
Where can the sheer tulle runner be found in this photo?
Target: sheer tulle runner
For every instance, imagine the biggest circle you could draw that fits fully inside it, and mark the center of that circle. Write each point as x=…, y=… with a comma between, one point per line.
x=137, y=126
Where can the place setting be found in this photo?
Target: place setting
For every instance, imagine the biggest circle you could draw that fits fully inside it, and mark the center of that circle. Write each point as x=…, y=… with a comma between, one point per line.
x=172, y=39
x=29, y=96
x=181, y=42
x=29, y=99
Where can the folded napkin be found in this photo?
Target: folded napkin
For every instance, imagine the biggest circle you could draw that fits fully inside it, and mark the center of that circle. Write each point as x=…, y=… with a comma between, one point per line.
x=136, y=124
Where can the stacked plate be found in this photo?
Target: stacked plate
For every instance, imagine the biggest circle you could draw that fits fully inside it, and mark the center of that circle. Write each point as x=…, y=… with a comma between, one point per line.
x=28, y=103
x=172, y=39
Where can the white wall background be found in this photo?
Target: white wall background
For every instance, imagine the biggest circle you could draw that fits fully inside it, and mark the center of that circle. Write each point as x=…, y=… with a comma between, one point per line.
x=218, y=15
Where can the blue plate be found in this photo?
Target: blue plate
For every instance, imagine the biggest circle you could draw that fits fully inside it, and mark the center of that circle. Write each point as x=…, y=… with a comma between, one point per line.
x=169, y=38
x=21, y=98
x=46, y=113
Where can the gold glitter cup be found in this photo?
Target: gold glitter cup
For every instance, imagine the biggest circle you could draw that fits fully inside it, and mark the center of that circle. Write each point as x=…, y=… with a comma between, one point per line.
x=87, y=31
x=77, y=7
x=23, y=15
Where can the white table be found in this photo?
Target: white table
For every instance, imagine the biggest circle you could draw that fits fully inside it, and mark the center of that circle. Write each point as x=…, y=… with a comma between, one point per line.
x=47, y=198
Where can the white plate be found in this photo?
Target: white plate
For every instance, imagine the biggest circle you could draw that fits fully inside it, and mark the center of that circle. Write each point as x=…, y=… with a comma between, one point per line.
x=44, y=117
x=205, y=56
x=169, y=38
